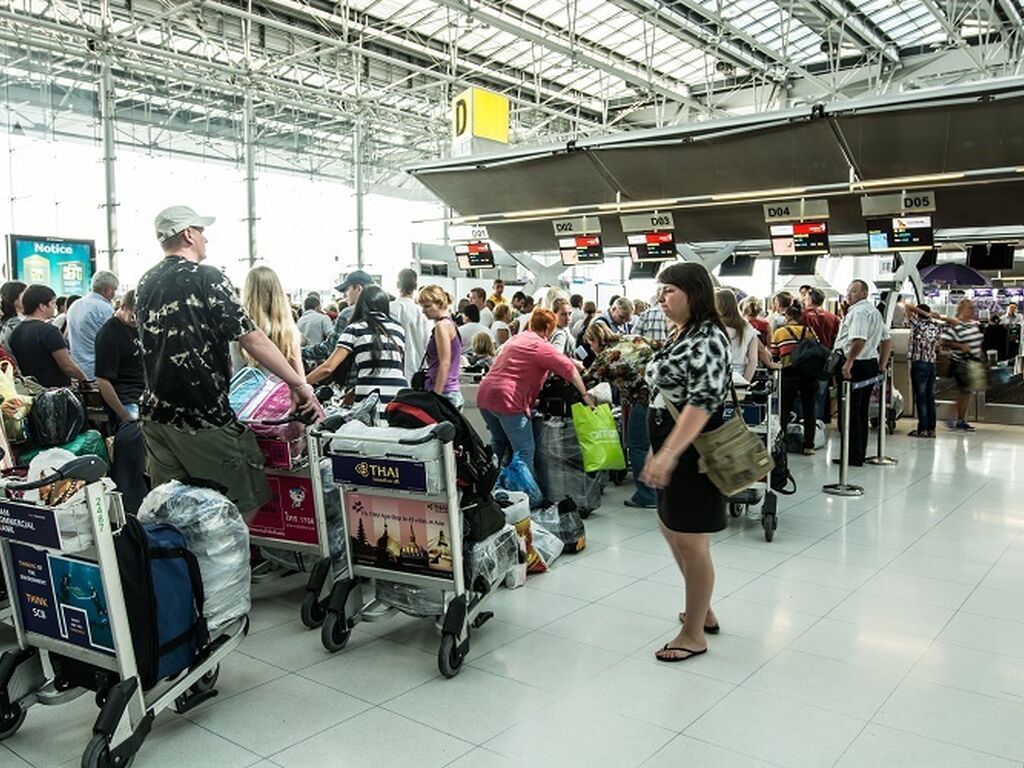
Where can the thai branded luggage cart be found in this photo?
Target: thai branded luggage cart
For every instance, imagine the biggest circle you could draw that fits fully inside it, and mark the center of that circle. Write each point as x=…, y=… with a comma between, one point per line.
x=762, y=411
x=71, y=620
x=296, y=520
x=403, y=525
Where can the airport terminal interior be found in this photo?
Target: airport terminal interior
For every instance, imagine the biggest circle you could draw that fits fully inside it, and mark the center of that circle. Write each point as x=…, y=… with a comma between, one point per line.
x=481, y=384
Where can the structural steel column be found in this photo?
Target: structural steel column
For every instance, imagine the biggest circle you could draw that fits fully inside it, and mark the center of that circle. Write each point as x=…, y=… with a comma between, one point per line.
x=107, y=106
x=249, y=143
x=357, y=168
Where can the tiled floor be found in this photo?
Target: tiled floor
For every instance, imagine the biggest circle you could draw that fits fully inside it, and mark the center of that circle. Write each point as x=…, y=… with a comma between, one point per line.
x=881, y=631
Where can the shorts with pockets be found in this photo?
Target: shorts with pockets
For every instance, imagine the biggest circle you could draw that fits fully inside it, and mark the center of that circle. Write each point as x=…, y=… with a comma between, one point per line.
x=225, y=458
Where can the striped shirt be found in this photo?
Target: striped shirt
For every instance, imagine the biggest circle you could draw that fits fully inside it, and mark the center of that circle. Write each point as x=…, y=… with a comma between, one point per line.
x=385, y=371
x=788, y=338
x=968, y=333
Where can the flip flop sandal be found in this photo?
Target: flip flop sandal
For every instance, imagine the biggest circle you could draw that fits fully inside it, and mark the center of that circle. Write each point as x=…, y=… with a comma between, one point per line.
x=714, y=630
x=672, y=659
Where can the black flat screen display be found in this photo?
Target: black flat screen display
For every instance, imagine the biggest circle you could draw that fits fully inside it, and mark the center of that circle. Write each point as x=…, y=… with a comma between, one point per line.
x=477, y=255
x=900, y=233
x=802, y=238
x=581, y=249
x=652, y=246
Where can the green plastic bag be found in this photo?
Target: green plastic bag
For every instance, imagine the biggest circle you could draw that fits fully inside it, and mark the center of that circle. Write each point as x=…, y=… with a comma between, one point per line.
x=598, y=437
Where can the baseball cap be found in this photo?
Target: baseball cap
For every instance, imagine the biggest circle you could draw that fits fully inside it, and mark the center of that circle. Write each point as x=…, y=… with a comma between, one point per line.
x=178, y=218
x=356, y=277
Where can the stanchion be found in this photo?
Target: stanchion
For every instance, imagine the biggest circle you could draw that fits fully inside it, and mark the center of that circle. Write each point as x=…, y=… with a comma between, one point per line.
x=881, y=460
x=843, y=488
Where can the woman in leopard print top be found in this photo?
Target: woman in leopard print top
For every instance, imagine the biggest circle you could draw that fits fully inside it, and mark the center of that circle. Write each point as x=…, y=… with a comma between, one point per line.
x=692, y=373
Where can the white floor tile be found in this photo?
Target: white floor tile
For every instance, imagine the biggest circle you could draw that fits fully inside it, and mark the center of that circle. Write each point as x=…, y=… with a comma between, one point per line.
x=546, y=661
x=532, y=608
x=968, y=719
x=865, y=646
x=371, y=738
x=180, y=742
x=51, y=736
x=625, y=562
x=691, y=753
x=586, y=584
x=730, y=658
x=612, y=629
x=833, y=574
x=767, y=624
x=484, y=758
x=777, y=730
x=972, y=670
x=558, y=736
x=894, y=615
x=837, y=686
x=293, y=647
x=650, y=598
x=999, y=603
x=878, y=746
x=278, y=714
x=796, y=595
x=377, y=671
x=758, y=558
x=661, y=694
x=474, y=706
x=837, y=551
x=986, y=633
x=917, y=589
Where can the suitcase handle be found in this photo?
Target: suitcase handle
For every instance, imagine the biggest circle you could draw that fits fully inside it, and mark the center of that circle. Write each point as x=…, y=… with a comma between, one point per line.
x=88, y=469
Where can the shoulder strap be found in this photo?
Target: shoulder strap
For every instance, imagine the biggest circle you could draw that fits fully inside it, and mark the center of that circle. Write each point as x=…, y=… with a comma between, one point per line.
x=674, y=412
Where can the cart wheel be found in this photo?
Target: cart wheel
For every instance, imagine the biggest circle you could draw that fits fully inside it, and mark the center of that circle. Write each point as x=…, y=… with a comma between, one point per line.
x=207, y=682
x=97, y=754
x=735, y=509
x=449, y=657
x=334, y=633
x=313, y=611
x=11, y=720
x=769, y=522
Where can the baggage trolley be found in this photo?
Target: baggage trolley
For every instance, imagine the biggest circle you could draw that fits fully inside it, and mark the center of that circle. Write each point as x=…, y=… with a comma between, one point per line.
x=91, y=626
x=386, y=497
x=295, y=518
x=769, y=428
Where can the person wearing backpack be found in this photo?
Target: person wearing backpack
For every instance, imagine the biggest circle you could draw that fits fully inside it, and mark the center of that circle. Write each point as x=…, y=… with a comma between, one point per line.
x=826, y=327
x=795, y=382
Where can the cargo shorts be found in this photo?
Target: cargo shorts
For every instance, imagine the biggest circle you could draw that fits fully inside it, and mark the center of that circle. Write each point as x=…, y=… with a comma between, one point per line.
x=225, y=458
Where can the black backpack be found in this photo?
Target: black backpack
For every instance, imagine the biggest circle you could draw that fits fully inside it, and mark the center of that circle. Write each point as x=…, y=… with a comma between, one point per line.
x=557, y=397
x=57, y=417
x=163, y=594
x=474, y=459
x=809, y=357
x=781, y=478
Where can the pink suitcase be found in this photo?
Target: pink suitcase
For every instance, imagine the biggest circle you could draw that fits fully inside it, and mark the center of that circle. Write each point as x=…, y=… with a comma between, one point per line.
x=271, y=402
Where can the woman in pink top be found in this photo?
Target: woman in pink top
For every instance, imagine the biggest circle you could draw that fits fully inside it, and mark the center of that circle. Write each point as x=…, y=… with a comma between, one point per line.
x=510, y=388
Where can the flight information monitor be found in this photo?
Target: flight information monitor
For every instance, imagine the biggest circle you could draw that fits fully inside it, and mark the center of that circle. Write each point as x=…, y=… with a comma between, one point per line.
x=478, y=255
x=900, y=233
x=652, y=246
x=463, y=261
x=581, y=249
x=802, y=238
x=66, y=266
x=797, y=265
x=644, y=270
x=737, y=265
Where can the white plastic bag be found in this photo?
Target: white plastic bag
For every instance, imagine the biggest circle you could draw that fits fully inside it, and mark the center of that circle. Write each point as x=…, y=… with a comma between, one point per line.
x=217, y=536
x=546, y=544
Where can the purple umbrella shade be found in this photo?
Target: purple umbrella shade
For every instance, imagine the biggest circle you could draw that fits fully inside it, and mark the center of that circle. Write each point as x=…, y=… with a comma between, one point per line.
x=953, y=274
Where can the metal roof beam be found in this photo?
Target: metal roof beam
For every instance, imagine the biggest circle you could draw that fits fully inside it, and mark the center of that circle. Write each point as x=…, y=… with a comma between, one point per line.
x=953, y=33
x=580, y=51
x=849, y=17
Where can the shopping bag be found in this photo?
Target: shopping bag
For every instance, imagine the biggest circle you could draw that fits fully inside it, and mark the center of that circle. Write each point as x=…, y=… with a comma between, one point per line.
x=517, y=477
x=598, y=437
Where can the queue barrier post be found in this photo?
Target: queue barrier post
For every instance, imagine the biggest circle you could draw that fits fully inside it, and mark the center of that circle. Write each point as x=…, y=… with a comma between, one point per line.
x=881, y=460
x=843, y=487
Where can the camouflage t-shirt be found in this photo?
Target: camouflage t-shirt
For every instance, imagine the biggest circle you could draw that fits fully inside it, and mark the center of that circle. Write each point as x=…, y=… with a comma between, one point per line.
x=188, y=314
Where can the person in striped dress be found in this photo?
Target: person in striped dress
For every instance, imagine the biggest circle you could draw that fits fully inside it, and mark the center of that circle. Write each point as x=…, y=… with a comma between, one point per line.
x=375, y=343
x=963, y=337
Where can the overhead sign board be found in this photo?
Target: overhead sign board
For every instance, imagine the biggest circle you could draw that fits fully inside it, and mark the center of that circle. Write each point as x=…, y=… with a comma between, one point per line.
x=468, y=233
x=647, y=222
x=917, y=201
x=479, y=121
x=796, y=210
x=583, y=225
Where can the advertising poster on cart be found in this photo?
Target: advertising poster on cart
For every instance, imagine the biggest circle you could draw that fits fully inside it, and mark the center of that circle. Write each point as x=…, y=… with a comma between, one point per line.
x=404, y=535
x=62, y=598
x=290, y=515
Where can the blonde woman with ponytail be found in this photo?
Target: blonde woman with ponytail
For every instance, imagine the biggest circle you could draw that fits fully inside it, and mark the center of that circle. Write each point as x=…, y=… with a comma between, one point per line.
x=264, y=299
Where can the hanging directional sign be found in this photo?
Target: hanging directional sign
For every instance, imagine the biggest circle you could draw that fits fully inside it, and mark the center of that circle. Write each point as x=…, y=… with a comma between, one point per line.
x=916, y=201
x=646, y=222
x=583, y=225
x=796, y=210
x=468, y=233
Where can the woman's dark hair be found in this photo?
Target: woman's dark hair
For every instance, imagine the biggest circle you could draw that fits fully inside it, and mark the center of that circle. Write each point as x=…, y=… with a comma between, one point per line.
x=9, y=293
x=36, y=296
x=794, y=313
x=372, y=309
x=61, y=303
x=694, y=280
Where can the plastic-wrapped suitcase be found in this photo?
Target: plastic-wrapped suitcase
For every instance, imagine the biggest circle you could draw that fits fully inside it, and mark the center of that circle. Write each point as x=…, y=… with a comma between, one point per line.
x=486, y=563
x=559, y=465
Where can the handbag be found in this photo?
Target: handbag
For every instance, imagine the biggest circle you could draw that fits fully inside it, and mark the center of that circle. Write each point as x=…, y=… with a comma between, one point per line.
x=732, y=456
x=598, y=436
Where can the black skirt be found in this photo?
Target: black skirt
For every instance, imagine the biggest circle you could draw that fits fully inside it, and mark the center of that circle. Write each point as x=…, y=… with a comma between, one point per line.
x=690, y=503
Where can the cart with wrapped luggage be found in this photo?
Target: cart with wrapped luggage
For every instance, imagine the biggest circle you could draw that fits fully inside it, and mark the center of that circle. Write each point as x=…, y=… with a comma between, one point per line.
x=761, y=406
x=300, y=529
x=404, y=515
x=103, y=603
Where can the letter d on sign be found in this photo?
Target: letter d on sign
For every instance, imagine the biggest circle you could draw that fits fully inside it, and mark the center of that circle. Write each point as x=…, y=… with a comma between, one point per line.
x=461, y=116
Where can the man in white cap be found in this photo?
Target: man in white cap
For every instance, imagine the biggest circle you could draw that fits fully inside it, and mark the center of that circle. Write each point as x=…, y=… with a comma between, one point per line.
x=188, y=313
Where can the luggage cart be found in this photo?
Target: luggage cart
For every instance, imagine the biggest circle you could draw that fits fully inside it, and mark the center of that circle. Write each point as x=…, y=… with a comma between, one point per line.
x=295, y=518
x=382, y=486
x=768, y=426
x=90, y=628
